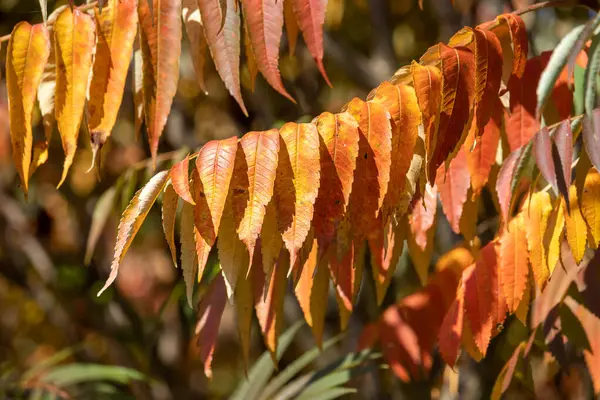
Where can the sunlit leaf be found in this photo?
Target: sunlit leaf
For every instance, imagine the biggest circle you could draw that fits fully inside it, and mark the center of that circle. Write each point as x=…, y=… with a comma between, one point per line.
x=513, y=264
x=311, y=17
x=453, y=184
x=194, y=28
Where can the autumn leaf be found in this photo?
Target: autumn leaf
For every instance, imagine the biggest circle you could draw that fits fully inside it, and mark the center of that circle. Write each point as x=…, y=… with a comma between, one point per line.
x=483, y=154
x=297, y=183
x=453, y=185
x=576, y=227
x=210, y=311
x=537, y=212
x=215, y=165
x=160, y=40
x=372, y=165
x=513, y=261
x=244, y=306
x=401, y=103
x=481, y=297
x=427, y=82
x=169, y=212
x=233, y=254
x=519, y=43
x=346, y=275
x=181, y=181
x=27, y=54
x=116, y=32
x=458, y=77
x=542, y=148
x=591, y=137
x=75, y=38
x=265, y=24
x=563, y=140
x=451, y=330
x=271, y=241
x=590, y=206
x=386, y=249
x=194, y=28
x=311, y=17
x=132, y=219
x=137, y=87
x=224, y=44
x=522, y=124
x=422, y=217
x=338, y=144
x=269, y=301
x=311, y=290
x=253, y=182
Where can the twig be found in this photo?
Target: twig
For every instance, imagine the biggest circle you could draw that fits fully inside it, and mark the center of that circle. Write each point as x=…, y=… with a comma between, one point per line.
x=83, y=8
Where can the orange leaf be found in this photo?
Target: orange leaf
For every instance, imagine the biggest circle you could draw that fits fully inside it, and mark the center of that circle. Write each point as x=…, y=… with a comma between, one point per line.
x=577, y=230
x=189, y=259
x=160, y=40
x=458, y=77
x=233, y=254
x=553, y=237
x=346, y=274
x=215, y=165
x=252, y=183
x=483, y=155
x=386, y=249
x=181, y=181
x=519, y=43
x=27, y=54
x=338, y=151
x=311, y=291
x=453, y=185
x=244, y=306
x=311, y=17
x=372, y=166
x=427, y=81
x=210, y=312
x=268, y=296
x=537, y=211
x=74, y=35
x=297, y=183
x=224, y=44
x=265, y=24
x=117, y=28
x=401, y=103
x=271, y=241
x=513, y=261
x=591, y=325
x=194, y=28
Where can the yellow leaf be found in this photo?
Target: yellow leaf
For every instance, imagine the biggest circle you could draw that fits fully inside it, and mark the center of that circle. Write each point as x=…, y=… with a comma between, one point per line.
x=27, y=54
x=590, y=205
x=189, y=259
x=576, y=227
x=132, y=219
x=75, y=39
x=553, y=235
x=537, y=212
x=117, y=28
x=297, y=183
x=169, y=211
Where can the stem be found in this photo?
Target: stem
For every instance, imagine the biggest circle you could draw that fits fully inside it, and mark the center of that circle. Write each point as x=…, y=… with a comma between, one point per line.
x=83, y=8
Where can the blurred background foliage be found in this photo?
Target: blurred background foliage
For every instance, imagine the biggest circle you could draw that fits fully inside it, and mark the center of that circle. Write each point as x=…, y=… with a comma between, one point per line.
x=48, y=297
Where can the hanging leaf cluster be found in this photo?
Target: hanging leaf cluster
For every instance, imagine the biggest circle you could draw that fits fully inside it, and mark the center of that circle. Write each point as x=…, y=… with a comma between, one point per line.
x=79, y=58
x=316, y=202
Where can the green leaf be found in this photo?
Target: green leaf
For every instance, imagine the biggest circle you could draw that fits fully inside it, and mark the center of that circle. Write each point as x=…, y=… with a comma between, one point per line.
x=47, y=363
x=579, y=92
x=72, y=374
x=263, y=369
x=556, y=64
x=591, y=73
x=291, y=370
x=330, y=394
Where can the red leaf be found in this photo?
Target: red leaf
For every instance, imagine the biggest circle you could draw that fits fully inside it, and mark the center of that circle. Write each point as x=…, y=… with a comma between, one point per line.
x=563, y=139
x=423, y=216
x=451, y=329
x=310, y=15
x=458, y=71
x=453, y=186
x=224, y=44
x=483, y=155
x=542, y=148
x=520, y=44
x=210, y=312
x=522, y=124
x=591, y=137
x=265, y=24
